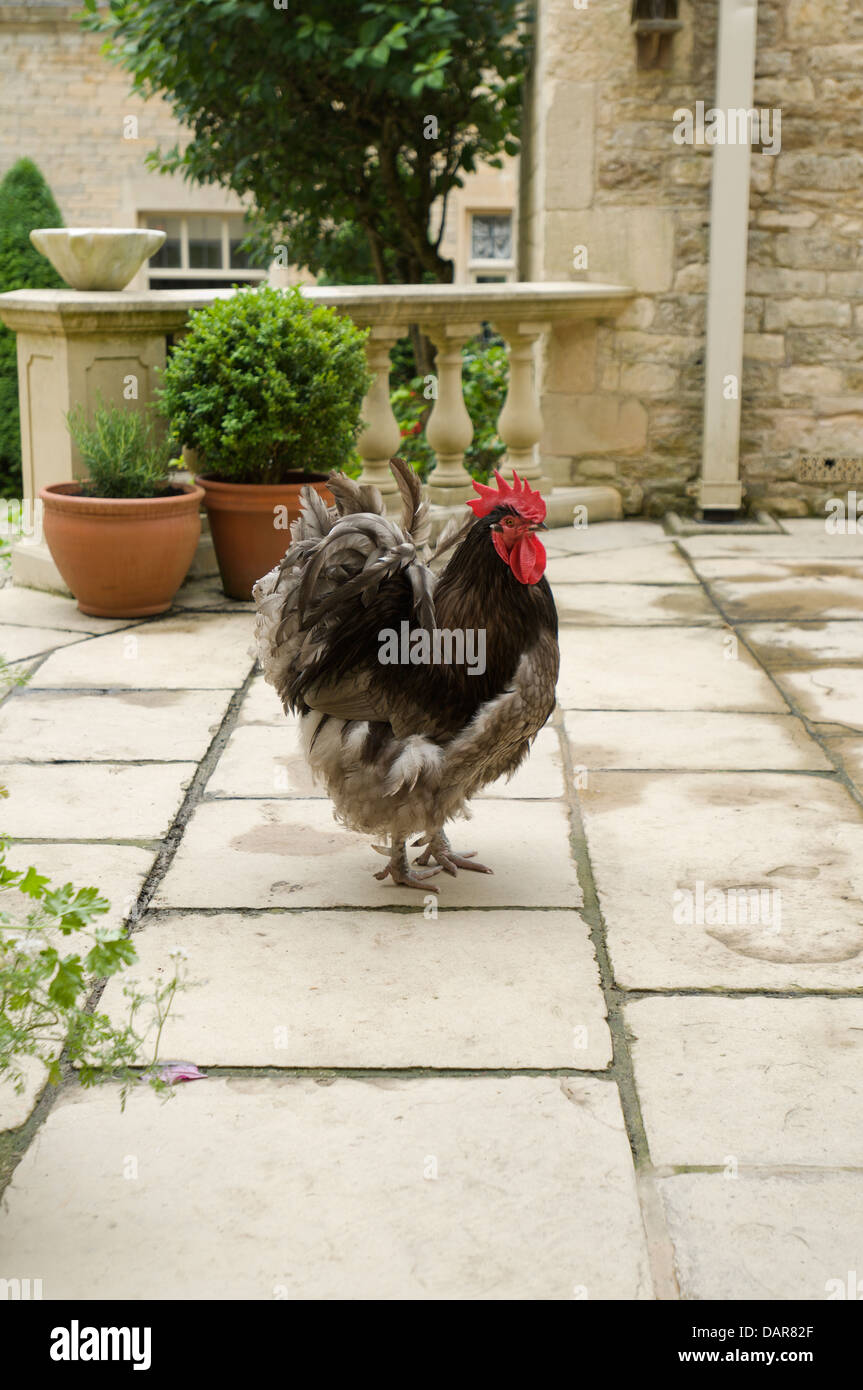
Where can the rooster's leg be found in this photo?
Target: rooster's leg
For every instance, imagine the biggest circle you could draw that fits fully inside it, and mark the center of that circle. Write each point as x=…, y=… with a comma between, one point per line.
x=439, y=849
x=401, y=872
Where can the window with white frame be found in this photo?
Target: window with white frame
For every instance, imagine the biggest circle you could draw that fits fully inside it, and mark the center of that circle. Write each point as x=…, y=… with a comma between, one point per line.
x=492, y=254
x=200, y=249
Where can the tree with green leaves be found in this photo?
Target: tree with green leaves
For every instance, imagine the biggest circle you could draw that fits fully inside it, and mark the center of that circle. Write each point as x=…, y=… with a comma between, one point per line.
x=333, y=112
x=25, y=203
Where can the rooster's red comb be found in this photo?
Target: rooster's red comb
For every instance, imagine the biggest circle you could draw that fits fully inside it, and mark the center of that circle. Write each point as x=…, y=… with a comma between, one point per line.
x=529, y=504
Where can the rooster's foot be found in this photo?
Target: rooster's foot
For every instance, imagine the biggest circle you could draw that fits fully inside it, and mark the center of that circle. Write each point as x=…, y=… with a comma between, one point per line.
x=401, y=872
x=440, y=850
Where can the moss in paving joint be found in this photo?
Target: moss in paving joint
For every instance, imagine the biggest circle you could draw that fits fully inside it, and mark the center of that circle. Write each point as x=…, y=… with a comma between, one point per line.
x=14, y=1143
x=400, y=909
x=628, y=996
x=171, y=842
x=592, y=914
x=68, y=840
x=216, y=1072
x=408, y=1073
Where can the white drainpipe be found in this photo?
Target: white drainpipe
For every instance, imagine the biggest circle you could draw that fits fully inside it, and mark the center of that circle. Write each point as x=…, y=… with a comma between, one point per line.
x=729, y=232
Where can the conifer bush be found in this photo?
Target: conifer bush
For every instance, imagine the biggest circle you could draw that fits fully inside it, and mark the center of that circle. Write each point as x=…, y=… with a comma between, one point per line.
x=26, y=202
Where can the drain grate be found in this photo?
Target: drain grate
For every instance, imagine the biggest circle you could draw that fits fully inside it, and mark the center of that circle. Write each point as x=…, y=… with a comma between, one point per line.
x=816, y=469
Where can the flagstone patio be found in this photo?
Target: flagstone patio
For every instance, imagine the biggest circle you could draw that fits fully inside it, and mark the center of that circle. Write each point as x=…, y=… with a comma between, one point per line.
x=563, y=1081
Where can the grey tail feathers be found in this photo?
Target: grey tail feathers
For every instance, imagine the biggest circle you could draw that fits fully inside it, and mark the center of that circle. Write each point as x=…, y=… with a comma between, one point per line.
x=415, y=518
x=352, y=497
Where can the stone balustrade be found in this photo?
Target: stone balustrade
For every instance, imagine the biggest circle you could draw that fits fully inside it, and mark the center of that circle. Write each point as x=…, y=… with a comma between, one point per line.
x=450, y=315
x=74, y=346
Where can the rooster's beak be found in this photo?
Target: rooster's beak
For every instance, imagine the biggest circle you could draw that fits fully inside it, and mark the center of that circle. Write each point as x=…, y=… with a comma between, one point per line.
x=538, y=526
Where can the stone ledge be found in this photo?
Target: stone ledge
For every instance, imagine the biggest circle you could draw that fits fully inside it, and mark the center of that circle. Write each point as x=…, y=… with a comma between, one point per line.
x=517, y=304
x=761, y=524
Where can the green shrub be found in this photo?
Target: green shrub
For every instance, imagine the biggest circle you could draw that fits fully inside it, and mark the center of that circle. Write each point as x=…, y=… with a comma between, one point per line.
x=25, y=203
x=485, y=377
x=266, y=386
x=123, y=452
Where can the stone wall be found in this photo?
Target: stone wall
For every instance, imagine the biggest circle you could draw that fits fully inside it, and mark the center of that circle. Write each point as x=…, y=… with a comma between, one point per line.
x=623, y=403
x=64, y=106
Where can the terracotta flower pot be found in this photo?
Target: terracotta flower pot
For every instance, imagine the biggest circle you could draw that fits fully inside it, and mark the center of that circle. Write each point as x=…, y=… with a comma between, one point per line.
x=250, y=526
x=121, y=557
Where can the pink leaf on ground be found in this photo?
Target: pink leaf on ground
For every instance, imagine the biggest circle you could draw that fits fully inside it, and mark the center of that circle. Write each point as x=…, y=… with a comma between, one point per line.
x=172, y=1072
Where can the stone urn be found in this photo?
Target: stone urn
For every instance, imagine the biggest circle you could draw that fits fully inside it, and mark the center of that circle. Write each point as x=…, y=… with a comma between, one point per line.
x=97, y=258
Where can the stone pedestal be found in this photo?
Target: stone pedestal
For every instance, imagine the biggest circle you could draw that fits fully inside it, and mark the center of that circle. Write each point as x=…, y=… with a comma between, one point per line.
x=77, y=347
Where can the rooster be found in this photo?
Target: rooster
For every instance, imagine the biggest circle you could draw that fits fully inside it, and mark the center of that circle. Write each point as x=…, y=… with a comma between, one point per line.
x=402, y=746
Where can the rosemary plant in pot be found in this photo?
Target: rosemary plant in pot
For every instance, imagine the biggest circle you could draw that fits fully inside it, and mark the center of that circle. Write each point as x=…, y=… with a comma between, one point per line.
x=124, y=536
x=267, y=388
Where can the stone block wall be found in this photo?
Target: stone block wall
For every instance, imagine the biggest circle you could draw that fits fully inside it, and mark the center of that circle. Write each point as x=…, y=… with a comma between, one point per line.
x=66, y=107
x=623, y=402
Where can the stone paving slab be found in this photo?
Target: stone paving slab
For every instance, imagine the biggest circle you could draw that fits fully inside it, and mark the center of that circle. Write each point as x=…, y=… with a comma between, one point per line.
x=293, y=854
x=174, y=653
x=263, y=761
x=32, y=608
x=827, y=694
x=118, y=726
x=93, y=801
x=606, y=535
x=654, y=835
x=634, y=604
x=814, y=542
x=795, y=644
x=118, y=871
x=261, y=705
x=694, y=740
x=645, y=564
x=760, y=1081
x=660, y=668
x=426, y=1188
x=208, y=595
x=19, y=643
x=501, y=989
x=850, y=750
x=15, y=1106
x=787, y=591
x=267, y=762
x=789, y=1235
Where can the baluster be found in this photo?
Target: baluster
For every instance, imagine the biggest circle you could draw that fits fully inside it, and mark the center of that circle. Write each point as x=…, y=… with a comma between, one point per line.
x=381, y=435
x=520, y=422
x=449, y=429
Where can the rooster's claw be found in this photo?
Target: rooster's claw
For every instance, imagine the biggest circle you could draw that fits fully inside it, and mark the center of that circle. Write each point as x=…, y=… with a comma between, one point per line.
x=409, y=879
x=403, y=875
x=445, y=857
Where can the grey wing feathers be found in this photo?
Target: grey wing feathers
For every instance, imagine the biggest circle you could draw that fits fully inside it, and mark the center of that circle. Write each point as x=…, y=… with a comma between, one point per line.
x=338, y=557
x=497, y=738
